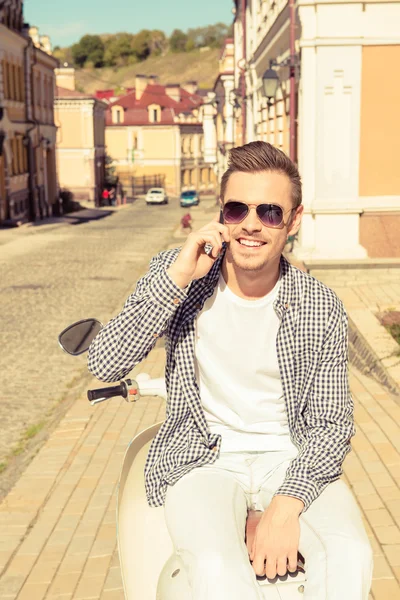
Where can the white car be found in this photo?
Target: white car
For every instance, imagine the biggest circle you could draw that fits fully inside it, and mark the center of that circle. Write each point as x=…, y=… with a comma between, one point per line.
x=156, y=196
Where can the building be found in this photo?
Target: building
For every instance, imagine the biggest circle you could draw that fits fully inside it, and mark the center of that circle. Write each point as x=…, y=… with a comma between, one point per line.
x=80, y=119
x=224, y=117
x=40, y=41
x=155, y=136
x=28, y=180
x=336, y=64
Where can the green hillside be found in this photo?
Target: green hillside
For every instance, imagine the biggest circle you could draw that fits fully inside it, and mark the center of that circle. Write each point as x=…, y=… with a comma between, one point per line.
x=198, y=65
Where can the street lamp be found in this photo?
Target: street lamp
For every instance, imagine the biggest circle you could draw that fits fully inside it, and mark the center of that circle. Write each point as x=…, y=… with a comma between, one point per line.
x=270, y=84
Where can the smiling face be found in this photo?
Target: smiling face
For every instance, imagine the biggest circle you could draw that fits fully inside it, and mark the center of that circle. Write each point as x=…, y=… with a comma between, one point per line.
x=253, y=246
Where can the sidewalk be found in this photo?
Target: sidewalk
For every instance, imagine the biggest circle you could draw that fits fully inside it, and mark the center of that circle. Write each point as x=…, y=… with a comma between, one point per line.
x=57, y=525
x=88, y=213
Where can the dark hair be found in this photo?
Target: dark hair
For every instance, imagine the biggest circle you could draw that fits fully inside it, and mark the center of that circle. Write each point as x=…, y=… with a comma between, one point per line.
x=261, y=156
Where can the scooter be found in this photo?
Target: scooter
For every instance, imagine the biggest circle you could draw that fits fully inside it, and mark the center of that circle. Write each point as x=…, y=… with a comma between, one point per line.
x=150, y=567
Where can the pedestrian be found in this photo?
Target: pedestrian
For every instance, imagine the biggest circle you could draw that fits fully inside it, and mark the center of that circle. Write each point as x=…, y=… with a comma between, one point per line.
x=105, y=197
x=259, y=414
x=186, y=223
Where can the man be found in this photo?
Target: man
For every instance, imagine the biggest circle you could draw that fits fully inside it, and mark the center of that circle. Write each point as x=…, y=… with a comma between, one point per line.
x=259, y=415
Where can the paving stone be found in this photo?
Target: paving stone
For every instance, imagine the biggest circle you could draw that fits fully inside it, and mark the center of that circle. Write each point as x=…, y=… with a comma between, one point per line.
x=392, y=553
x=89, y=587
x=64, y=583
x=379, y=517
x=390, y=493
x=73, y=479
x=33, y=591
x=382, y=568
x=388, y=534
x=385, y=589
x=117, y=594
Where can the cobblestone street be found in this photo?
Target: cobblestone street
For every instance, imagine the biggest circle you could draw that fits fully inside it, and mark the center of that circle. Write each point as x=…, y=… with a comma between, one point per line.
x=57, y=524
x=50, y=277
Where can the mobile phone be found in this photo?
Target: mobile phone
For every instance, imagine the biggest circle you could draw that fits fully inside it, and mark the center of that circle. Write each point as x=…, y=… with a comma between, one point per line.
x=221, y=217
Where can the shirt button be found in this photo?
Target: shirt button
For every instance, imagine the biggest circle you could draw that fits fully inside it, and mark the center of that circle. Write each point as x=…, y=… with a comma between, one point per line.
x=287, y=305
x=155, y=335
x=198, y=306
x=176, y=300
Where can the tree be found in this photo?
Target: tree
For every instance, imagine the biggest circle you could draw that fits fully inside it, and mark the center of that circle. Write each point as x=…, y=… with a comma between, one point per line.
x=90, y=48
x=110, y=177
x=211, y=35
x=178, y=40
x=158, y=42
x=190, y=45
x=214, y=35
x=118, y=49
x=141, y=44
x=64, y=55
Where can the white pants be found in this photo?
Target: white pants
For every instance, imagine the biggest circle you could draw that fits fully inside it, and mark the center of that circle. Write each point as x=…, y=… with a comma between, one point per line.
x=206, y=513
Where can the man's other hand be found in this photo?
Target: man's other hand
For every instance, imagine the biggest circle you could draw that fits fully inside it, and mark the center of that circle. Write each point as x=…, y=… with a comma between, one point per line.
x=276, y=541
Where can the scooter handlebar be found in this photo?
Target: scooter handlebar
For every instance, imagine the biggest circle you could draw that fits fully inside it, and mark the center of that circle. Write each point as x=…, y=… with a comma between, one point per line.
x=131, y=390
x=107, y=392
x=152, y=387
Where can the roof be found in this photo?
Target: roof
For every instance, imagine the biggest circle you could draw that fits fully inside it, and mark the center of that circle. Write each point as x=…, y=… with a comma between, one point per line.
x=136, y=111
x=64, y=93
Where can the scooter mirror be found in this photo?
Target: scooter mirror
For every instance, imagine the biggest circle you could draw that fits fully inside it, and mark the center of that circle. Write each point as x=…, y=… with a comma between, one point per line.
x=77, y=338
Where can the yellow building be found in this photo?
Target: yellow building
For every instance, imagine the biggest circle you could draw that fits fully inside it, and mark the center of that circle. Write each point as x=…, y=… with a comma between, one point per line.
x=155, y=137
x=80, y=119
x=28, y=182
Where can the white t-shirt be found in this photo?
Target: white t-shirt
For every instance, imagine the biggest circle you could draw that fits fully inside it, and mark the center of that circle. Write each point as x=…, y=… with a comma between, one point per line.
x=238, y=373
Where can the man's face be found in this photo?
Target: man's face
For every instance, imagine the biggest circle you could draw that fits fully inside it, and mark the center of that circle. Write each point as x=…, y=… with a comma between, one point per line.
x=265, y=187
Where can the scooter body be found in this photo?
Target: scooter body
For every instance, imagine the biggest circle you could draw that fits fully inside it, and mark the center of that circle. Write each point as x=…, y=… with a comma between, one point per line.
x=151, y=570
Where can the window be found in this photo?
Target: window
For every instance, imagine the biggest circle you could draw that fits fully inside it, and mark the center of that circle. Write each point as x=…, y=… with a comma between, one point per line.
x=13, y=81
x=14, y=162
x=17, y=83
x=6, y=81
x=19, y=163
x=22, y=83
x=117, y=113
x=154, y=112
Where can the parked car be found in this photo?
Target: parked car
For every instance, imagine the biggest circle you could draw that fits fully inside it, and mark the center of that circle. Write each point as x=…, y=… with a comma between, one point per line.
x=156, y=196
x=189, y=198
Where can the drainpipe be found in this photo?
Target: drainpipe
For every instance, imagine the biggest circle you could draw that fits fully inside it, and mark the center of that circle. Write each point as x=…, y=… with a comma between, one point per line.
x=243, y=81
x=292, y=76
x=35, y=125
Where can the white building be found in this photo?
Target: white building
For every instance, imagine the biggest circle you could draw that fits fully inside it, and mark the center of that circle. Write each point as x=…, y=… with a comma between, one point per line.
x=224, y=118
x=348, y=99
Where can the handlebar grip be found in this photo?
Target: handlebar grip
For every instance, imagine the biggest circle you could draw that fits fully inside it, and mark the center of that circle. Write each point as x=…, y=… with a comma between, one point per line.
x=107, y=392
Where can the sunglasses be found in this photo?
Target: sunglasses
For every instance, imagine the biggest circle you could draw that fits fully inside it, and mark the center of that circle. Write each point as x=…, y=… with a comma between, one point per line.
x=270, y=215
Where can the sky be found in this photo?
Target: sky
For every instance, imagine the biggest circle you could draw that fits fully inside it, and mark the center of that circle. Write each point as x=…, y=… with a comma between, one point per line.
x=66, y=22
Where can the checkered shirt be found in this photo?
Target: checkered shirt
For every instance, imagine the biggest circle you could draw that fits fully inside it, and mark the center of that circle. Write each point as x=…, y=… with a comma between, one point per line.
x=313, y=361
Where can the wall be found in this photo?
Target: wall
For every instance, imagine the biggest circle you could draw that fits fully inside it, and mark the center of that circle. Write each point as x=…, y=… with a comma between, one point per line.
x=380, y=122
x=157, y=152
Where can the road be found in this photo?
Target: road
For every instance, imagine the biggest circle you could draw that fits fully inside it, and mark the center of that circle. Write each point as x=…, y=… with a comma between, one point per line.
x=49, y=279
